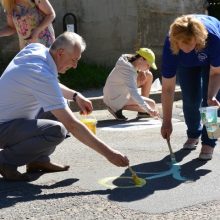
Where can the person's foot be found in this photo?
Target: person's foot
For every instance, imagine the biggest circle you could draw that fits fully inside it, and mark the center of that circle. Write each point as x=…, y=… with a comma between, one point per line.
x=206, y=152
x=12, y=174
x=45, y=167
x=191, y=144
x=143, y=115
x=118, y=114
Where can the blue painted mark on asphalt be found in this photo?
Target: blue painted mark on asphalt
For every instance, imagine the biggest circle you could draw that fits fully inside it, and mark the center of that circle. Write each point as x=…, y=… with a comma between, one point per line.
x=174, y=171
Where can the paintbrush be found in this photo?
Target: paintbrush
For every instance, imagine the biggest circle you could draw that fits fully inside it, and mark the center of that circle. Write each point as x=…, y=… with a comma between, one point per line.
x=172, y=156
x=135, y=178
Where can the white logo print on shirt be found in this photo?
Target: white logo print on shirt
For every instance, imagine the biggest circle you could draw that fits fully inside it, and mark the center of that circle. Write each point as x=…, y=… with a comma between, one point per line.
x=202, y=57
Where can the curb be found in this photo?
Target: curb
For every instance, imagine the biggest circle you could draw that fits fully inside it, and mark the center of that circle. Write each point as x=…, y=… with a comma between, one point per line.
x=98, y=103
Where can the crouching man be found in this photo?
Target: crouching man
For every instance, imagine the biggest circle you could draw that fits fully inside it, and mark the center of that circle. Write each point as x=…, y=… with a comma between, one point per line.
x=30, y=84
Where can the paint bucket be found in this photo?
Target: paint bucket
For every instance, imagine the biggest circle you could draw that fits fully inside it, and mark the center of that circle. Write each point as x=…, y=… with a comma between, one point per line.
x=209, y=114
x=90, y=121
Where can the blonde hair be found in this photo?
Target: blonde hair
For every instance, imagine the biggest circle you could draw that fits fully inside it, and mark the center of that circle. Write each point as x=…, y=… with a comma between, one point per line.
x=8, y=5
x=68, y=40
x=185, y=28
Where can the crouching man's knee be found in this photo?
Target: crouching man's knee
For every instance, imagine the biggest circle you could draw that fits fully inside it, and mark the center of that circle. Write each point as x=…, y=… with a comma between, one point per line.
x=57, y=133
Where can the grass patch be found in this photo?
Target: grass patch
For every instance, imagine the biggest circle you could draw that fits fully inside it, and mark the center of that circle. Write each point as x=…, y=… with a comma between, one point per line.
x=85, y=76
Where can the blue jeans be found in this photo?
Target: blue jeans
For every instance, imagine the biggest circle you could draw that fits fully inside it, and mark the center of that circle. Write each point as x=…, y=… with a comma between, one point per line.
x=194, y=85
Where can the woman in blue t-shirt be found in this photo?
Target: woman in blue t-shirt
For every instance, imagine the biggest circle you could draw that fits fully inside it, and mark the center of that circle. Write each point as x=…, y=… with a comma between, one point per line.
x=192, y=50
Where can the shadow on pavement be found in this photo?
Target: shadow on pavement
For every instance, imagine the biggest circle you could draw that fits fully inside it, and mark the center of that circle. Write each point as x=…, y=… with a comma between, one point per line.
x=17, y=192
x=159, y=176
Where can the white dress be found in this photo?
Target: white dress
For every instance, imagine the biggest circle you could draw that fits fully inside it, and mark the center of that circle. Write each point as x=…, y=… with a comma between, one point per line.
x=121, y=85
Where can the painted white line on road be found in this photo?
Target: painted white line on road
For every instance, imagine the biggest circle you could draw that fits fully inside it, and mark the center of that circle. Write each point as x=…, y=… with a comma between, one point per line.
x=136, y=125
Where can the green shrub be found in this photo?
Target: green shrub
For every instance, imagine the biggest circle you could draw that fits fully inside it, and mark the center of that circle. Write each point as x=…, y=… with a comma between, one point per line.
x=85, y=76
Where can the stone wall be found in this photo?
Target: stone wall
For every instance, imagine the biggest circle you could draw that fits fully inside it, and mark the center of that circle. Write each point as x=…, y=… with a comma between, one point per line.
x=113, y=27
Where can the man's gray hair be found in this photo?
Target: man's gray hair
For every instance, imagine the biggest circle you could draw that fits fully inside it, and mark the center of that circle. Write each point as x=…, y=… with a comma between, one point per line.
x=68, y=40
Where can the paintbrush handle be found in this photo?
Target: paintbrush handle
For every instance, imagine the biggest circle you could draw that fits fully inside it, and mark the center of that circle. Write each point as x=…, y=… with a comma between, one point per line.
x=170, y=149
x=132, y=171
x=169, y=146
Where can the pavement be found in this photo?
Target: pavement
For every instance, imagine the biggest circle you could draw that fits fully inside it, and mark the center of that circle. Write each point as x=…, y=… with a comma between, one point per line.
x=95, y=189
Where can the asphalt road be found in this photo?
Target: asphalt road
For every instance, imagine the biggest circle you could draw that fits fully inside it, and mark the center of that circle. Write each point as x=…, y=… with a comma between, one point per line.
x=188, y=189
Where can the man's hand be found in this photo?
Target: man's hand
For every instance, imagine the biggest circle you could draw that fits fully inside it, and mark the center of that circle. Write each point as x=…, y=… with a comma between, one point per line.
x=84, y=104
x=116, y=158
x=166, y=130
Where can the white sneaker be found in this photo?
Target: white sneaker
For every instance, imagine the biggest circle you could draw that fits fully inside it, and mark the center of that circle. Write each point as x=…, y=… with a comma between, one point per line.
x=191, y=144
x=206, y=152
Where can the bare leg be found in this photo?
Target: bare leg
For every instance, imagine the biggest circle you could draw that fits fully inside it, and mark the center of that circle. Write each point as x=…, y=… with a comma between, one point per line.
x=145, y=84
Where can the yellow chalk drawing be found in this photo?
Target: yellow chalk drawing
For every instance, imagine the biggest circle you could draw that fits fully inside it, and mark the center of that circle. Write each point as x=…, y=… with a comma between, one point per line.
x=108, y=182
x=173, y=171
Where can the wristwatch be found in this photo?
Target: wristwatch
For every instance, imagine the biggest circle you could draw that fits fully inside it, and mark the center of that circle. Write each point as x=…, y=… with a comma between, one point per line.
x=74, y=96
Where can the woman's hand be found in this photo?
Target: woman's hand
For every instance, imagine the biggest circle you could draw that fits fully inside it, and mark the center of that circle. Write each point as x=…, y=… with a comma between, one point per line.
x=166, y=130
x=213, y=102
x=154, y=113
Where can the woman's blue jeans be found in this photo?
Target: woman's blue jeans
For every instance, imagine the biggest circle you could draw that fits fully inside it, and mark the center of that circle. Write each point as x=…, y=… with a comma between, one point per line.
x=194, y=85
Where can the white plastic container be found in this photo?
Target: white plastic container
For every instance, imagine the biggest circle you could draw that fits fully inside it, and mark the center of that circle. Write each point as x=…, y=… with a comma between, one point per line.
x=209, y=116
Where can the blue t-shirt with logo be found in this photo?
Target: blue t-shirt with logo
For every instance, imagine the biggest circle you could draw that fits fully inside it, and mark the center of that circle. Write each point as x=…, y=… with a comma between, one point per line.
x=210, y=55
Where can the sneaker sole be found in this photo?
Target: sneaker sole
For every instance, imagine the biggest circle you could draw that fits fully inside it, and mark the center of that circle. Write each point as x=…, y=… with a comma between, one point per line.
x=190, y=146
x=205, y=156
x=143, y=116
